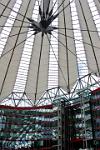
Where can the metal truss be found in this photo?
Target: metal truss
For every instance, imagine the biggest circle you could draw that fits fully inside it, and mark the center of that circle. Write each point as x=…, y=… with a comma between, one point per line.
x=17, y=99
x=54, y=95
x=82, y=85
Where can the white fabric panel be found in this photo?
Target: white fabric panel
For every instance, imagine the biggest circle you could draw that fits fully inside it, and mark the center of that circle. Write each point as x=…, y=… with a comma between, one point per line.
x=43, y=71
x=45, y=5
x=62, y=51
x=94, y=36
x=97, y=3
x=12, y=72
x=6, y=12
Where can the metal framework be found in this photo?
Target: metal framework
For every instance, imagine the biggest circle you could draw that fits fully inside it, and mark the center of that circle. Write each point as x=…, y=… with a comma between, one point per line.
x=56, y=41
x=86, y=83
x=49, y=64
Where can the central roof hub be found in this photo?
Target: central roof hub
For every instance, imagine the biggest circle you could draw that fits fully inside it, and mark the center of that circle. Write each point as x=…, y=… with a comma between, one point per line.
x=43, y=24
x=47, y=17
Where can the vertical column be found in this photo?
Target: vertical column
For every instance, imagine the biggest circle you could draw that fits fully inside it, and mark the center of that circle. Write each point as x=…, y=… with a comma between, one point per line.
x=61, y=126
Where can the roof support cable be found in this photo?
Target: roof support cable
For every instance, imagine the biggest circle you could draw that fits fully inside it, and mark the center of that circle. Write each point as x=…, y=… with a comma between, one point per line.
x=53, y=47
x=56, y=59
x=6, y=30
x=72, y=52
x=12, y=10
x=24, y=66
x=78, y=29
x=12, y=18
x=62, y=9
x=13, y=36
x=53, y=6
x=16, y=46
x=37, y=79
x=79, y=40
x=79, y=46
x=59, y=6
x=13, y=51
x=98, y=69
x=67, y=55
x=5, y=8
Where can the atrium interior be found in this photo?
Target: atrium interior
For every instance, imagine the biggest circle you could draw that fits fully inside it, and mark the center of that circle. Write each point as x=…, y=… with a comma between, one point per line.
x=50, y=75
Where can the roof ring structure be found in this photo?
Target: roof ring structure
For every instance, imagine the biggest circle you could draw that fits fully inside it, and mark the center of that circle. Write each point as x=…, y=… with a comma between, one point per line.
x=47, y=44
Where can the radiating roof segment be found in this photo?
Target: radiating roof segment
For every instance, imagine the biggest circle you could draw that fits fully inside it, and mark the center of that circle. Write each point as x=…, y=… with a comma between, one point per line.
x=46, y=44
x=90, y=36
x=80, y=51
x=95, y=14
x=53, y=53
x=6, y=28
x=22, y=74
